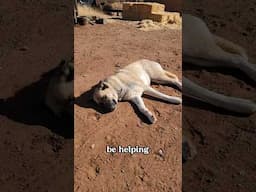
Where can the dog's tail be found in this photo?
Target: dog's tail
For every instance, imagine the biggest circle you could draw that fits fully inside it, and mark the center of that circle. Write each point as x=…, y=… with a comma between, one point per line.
x=230, y=47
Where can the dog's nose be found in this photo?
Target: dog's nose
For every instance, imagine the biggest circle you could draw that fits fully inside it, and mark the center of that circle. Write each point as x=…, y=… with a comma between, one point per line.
x=112, y=108
x=109, y=107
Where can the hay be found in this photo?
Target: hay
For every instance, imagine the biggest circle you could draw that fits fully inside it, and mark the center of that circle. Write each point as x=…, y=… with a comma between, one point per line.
x=149, y=25
x=84, y=10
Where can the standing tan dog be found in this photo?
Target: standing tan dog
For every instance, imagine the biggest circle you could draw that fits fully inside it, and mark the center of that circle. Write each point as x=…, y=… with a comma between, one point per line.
x=131, y=82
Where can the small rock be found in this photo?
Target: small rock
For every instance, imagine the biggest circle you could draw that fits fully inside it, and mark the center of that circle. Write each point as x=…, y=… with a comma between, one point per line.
x=96, y=116
x=157, y=112
x=92, y=146
x=161, y=153
x=97, y=170
x=141, y=177
x=117, y=65
x=108, y=138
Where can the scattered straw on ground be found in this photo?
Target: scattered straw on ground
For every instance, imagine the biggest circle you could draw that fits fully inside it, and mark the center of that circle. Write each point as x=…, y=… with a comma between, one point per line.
x=145, y=25
x=84, y=10
x=149, y=25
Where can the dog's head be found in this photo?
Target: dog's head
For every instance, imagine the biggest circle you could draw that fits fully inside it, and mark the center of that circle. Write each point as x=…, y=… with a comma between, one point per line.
x=66, y=70
x=106, y=96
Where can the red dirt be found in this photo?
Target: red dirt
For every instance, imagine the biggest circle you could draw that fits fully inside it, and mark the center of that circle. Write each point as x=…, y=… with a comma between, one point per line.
x=33, y=158
x=225, y=142
x=99, y=51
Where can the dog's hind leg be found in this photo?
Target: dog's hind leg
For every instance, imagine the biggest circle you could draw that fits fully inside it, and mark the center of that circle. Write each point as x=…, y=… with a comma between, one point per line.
x=168, y=78
x=225, y=59
x=230, y=47
x=202, y=48
x=154, y=93
x=236, y=55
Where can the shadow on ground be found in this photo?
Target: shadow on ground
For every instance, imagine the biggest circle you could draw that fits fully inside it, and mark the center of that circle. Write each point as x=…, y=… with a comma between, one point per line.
x=27, y=107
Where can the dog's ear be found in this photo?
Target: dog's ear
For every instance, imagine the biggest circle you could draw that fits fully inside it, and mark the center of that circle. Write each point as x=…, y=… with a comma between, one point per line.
x=62, y=66
x=102, y=85
x=62, y=63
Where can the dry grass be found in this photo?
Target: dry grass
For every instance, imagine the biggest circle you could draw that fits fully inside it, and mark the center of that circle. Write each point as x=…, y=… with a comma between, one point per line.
x=149, y=25
x=90, y=11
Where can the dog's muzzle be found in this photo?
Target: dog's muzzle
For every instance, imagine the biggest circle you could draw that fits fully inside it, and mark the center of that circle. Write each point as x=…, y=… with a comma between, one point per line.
x=110, y=106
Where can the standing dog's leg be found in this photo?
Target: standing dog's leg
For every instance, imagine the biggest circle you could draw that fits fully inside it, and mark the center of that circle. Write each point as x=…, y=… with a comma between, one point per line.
x=154, y=93
x=138, y=101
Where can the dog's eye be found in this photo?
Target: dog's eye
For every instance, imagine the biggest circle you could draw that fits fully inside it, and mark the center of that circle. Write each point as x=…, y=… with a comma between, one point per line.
x=114, y=101
x=104, y=86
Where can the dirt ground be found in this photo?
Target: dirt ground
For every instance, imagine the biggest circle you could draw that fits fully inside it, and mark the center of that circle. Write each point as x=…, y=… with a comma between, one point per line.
x=99, y=51
x=34, y=157
x=225, y=141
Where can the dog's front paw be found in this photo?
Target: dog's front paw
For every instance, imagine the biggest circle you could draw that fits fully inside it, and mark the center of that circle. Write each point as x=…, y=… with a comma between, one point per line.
x=151, y=118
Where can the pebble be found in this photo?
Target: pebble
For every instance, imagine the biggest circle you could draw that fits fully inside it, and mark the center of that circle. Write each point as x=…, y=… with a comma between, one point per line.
x=117, y=65
x=97, y=170
x=161, y=153
x=96, y=117
x=92, y=146
x=108, y=138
